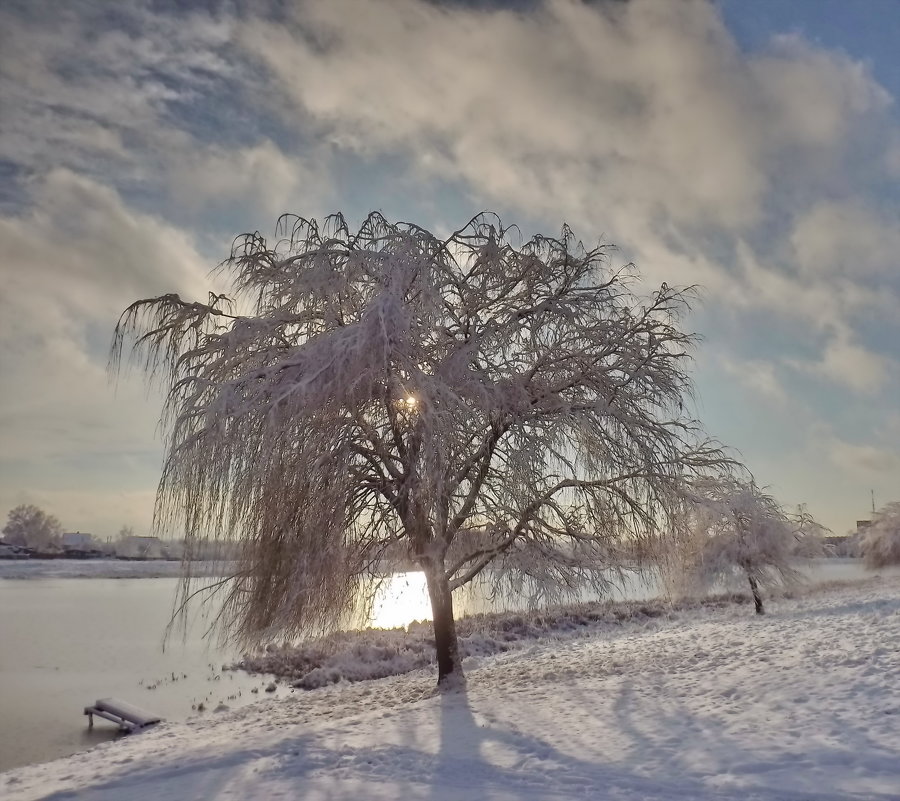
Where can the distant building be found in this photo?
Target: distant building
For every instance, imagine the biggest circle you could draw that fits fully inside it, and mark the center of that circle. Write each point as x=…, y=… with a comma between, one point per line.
x=78, y=541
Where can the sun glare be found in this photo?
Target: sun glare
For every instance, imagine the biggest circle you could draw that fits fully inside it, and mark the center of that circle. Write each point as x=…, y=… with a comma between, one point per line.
x=402, y=599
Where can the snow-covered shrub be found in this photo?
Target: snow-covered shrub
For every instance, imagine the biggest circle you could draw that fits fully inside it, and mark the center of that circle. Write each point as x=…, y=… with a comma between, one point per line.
x=880, y=542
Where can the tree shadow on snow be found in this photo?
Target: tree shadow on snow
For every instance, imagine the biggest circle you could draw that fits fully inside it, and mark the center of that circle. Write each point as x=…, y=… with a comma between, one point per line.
x=453, y=752
x=497, y=762
x=702, y=746
x=196, y=777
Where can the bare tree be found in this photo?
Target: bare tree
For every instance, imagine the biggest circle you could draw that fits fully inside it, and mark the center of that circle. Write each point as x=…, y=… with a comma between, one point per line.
x=880, y=541
x=32, y=527
x=502, y=412
x=730, y=526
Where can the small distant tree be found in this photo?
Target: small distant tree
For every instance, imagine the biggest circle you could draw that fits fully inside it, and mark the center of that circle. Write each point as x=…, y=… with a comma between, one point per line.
x=503, y=412
x=880, y=541
x=729, y=526
x=31, y=527
x=125, y=546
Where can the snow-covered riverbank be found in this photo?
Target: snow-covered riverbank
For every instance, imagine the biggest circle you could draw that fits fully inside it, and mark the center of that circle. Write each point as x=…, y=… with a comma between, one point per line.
x=803, y=703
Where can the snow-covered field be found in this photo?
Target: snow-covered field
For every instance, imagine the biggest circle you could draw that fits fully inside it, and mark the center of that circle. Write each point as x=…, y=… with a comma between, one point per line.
x=707, y=704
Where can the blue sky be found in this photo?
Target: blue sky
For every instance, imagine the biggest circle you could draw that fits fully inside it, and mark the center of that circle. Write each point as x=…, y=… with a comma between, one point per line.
x=752, y=148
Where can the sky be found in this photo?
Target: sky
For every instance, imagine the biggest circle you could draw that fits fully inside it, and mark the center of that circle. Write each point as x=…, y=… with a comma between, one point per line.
x=750, y=148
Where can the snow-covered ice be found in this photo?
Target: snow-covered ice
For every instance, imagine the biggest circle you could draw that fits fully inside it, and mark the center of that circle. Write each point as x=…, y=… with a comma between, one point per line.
x=713, y=703
x=103, y=568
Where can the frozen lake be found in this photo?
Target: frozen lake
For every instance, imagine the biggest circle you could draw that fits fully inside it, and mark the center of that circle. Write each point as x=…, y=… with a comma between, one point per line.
x=67, y=642
x=64, y=642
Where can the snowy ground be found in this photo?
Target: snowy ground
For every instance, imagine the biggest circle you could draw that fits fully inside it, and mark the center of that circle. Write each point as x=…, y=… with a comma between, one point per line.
x=709, y=704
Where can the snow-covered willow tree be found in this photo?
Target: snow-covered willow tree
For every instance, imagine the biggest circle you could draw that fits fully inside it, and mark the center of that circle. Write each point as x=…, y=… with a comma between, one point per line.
x=494, y=411
x=880, y=541
x=728, y=526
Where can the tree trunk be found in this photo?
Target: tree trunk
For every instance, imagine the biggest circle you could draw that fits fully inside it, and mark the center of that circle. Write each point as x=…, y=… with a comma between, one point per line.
x=757, y=598
x=445, y=641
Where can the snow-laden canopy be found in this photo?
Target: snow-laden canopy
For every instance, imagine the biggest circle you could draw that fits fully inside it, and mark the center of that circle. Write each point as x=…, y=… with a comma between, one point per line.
x=880, y=543
x=464, y=402
x=729, y=526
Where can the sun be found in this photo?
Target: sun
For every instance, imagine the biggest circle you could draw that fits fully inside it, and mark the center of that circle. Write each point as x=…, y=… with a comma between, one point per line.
x=401, y=600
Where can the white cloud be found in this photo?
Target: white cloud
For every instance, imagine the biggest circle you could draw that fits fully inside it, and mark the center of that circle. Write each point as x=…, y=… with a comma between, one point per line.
x=861, y=458
x=892, y=157
x=813, y=95
x=79, y=253
x=577, y=110
x=825, y=308
x=760, y=377
x=851, y=365
x=846, y=238
x=892, y=426
x=70, y=265
x=557, y=109
x=259, y=177
x=82, y=94
x=778, y=290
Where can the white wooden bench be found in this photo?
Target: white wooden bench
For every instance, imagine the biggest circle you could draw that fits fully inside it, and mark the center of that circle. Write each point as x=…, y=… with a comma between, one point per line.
x=128, y=717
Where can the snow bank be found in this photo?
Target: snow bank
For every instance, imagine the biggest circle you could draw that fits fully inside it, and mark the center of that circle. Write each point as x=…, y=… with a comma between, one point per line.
x=708, y=703
x=376, y=653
